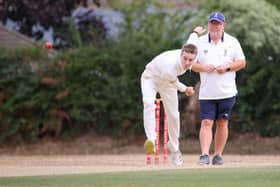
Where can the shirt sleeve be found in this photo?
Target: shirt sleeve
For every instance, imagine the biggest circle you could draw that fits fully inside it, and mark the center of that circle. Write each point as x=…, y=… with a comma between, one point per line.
x=192, y=39
x=180, y=86
x=238, y=55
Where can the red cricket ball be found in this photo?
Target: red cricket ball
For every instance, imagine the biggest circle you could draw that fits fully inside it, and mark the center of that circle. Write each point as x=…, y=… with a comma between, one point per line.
x=48, y=45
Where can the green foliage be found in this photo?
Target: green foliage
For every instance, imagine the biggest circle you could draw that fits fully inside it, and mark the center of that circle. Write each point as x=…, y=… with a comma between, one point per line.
x=90, y=87
x=98, y=86
x=110, y=98
x=272, y=128
x=275, y=3
x=70, y=34
x=17, y=85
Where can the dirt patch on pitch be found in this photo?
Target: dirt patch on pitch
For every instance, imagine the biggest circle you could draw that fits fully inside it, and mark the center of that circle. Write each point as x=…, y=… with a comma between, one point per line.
x=74, y=164
x=93, y=154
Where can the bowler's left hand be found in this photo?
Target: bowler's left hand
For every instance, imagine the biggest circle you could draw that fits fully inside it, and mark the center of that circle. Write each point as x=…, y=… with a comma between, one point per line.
x=189, y=91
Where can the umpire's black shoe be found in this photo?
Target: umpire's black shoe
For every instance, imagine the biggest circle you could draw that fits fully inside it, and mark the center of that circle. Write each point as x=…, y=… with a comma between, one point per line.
x=203, y=159
x=217, y=160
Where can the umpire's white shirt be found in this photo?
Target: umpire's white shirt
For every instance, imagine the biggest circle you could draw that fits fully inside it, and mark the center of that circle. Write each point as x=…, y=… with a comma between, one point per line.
x=215, y=85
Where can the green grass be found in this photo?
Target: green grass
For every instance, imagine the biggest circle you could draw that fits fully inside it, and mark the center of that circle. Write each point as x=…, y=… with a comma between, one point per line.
x=213, y=177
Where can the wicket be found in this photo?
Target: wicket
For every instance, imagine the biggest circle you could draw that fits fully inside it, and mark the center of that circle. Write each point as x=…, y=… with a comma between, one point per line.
x=165, y=137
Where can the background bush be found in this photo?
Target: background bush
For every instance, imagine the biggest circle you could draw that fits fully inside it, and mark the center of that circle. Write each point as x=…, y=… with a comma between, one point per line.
x=94, y=87
x=97, y=86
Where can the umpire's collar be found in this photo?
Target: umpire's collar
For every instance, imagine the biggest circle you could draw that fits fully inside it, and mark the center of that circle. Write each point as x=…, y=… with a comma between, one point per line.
x=209, y=38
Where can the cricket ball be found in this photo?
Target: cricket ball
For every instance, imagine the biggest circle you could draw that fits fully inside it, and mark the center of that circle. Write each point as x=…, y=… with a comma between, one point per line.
x=48, y=45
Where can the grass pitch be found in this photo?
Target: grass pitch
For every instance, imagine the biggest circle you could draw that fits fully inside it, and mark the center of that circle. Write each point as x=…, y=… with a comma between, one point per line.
x=210, y=177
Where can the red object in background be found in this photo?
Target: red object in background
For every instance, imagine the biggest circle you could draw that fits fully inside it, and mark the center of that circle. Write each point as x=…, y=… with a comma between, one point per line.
x=48, y=45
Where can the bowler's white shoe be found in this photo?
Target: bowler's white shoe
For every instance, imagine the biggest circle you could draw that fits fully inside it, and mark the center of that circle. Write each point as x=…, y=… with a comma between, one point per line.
x=177, y=158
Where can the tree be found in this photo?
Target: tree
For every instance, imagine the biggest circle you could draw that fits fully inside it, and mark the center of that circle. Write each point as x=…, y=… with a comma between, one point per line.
x=32, y=18
x=274, y=2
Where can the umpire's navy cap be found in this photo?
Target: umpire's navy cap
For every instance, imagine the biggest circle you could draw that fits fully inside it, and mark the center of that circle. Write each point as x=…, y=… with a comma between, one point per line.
x=216, y=16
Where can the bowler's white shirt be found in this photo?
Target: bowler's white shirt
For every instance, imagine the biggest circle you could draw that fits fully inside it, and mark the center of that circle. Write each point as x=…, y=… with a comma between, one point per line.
x=167, y=67
x=214, y=85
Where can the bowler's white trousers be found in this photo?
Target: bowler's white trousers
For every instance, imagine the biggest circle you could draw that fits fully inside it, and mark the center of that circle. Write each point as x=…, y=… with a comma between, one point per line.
x=150, y=85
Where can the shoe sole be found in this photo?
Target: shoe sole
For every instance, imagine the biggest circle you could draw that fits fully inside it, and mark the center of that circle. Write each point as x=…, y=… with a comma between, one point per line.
x=149, y=147
x=202, y=163
x=177, y=164
x=218, y=163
